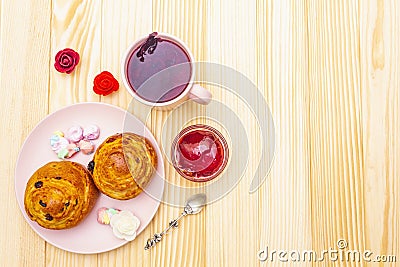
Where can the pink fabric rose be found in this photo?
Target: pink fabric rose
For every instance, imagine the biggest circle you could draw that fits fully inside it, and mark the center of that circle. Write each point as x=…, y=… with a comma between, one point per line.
x=66, y=60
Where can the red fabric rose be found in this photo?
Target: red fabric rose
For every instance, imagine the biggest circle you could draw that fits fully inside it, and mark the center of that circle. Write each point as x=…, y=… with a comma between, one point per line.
x=66, y=60
x=105, y=83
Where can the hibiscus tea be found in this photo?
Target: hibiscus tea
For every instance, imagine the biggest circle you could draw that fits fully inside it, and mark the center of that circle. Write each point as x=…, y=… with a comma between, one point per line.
x=158, y=54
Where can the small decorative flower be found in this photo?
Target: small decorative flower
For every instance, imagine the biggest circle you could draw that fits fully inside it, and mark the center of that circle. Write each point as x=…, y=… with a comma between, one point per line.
x=105, y=83
x=124, y=225
x=66, y=60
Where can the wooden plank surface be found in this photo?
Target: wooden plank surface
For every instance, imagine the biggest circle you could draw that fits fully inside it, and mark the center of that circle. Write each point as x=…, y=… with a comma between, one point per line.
x=24, y=45
x=327, y=69
x=380, y=97
x=335, y=126
x=282, y=64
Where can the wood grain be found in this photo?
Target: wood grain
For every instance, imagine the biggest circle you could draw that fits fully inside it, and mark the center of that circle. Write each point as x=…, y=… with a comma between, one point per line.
x=77, y=25
x=336, y=170
x=23, y=105
x=379, y=32
x=328, y=70
x=282, y=64
x=231, y=43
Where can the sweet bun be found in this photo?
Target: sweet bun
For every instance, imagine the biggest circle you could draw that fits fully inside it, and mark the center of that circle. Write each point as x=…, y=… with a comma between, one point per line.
x=60, y=194
x=123, y=165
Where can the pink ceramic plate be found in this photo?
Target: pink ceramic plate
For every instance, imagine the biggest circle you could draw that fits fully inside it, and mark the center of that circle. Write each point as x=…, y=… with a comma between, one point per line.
x=89, y=236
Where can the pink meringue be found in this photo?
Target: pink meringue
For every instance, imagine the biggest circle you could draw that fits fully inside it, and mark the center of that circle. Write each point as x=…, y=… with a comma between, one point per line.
x=91, y=132
x=72, y=149
x=75, y=134
x=86, y=147
x=104, y=214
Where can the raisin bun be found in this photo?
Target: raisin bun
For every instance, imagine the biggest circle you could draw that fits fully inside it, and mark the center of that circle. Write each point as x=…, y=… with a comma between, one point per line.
x=123, y=165
x=60, y=194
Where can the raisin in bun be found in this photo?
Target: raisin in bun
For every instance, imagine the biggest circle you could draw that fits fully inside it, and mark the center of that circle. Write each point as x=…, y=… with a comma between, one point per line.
x=123, y=165
x=60, y=194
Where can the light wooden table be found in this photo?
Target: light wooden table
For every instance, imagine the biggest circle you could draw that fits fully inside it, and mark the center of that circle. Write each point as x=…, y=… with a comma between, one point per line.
x=329, y=71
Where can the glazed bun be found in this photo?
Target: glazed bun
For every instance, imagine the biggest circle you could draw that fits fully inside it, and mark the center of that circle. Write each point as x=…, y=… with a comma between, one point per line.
x=60, y=194
x=123, y=165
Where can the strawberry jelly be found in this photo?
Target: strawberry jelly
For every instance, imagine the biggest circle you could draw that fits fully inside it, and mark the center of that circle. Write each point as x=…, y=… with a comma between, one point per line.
x=199, y=153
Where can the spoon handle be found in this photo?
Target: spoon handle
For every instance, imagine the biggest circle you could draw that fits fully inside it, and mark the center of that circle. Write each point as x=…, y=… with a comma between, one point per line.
x=151, y=242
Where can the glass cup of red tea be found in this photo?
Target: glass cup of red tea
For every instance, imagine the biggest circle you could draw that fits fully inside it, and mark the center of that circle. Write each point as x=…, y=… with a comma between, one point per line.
x=199, y=153
x=158, y=71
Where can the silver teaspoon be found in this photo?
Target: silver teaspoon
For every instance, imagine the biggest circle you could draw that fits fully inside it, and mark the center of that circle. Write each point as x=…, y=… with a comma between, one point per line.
x=194, y=205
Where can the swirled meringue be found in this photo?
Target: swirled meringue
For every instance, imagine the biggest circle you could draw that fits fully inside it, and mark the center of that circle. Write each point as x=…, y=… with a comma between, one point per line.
x=75, y=134
x=62, y=154
x=91, y=132
x=104, y=214
x=86, y=147
x=68, y=151
x=59, y=133
x=57, y=143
